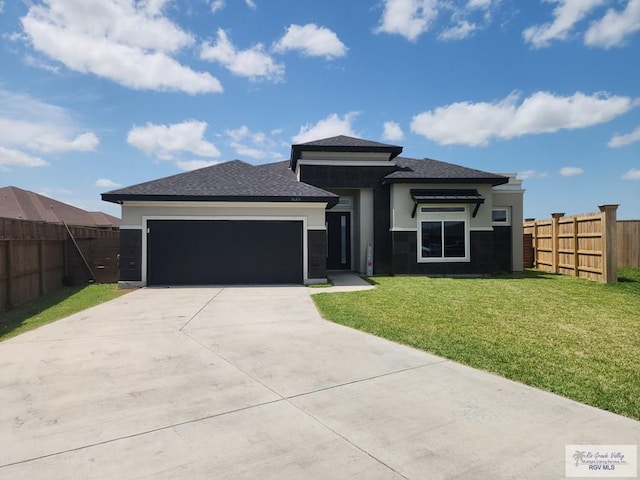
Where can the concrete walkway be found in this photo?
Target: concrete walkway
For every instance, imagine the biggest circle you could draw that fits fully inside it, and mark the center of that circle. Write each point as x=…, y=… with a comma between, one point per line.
x=250, y=383
x=343, y=282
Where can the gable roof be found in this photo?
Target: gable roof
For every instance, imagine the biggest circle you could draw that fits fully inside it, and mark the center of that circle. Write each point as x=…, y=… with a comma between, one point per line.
x=25, y=205
x=230, y=181
x=342, y=143
x=427, y=170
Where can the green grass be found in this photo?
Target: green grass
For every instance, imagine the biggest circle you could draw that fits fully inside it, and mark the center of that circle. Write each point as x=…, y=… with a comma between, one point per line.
x=577, y=338
x=50, y=308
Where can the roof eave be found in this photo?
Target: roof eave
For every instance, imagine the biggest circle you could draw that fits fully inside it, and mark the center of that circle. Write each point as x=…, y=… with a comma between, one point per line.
x=120, y=198
x=493, y=181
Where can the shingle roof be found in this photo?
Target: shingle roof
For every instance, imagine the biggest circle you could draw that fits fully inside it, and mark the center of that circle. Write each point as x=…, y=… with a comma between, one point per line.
x=342, y=143
x=435, y=171
x=278, y=168
x=25, y=205
x=233, y=180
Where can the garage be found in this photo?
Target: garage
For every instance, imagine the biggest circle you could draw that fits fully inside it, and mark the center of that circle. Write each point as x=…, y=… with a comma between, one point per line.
x=209, y=252
x=229, y=223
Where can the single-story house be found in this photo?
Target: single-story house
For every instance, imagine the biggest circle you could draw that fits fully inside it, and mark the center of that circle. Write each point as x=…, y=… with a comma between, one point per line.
x=339, y=203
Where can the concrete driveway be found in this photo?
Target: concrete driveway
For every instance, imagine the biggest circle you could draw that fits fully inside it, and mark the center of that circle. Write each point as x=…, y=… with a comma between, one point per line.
x=250, y=383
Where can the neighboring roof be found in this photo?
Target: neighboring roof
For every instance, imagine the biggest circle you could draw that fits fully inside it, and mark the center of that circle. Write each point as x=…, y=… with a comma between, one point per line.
x=25, y=205
x=434, y=171
x=230, y=181
x=342, y=143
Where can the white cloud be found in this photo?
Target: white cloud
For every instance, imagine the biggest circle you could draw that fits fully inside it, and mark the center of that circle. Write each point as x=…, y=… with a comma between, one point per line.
x=409, y=18
x=126, y=41
x=633, y=174
x=461, y=30
x=1, y=6
x=484, y=4
x=48, y=143
x=312, y=41
x=466, y=19
x=566, y=15
x=32, y=61
x=195, y=164
x=475, y=124
x=626, y=139
x=251, y=4
x=571, y=171
x=253, y=63
x=392, y=132
x=531, y=174
x=29, y=124
x=106, y=183
x=45, y=137
x=15, y=158
x=331, y=126
x=166, y=141
x=614, y=28
x=217, y=5
x=252, y=144
x=456, y=19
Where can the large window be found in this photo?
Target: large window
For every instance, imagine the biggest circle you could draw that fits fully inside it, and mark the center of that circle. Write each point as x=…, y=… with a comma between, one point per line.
x=443, y=234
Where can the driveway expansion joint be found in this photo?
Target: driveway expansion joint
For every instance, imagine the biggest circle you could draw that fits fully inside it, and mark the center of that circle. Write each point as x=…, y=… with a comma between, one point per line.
x=347, y=440
x=140, y=434
x=201, y=309
x=366, y=379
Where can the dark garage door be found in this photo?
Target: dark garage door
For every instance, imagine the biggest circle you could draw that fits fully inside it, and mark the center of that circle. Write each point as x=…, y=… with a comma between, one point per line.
x=205, y=252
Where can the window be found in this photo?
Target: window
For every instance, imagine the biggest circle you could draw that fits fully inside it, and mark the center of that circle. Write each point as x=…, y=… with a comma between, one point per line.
x=345, y=202
x=501, y=216
x=443, y=234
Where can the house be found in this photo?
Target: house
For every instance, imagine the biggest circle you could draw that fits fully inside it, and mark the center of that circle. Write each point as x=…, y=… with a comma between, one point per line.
x=338, y=203
x=25, y=205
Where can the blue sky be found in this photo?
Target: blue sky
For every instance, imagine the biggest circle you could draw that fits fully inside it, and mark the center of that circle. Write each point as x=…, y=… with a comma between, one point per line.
x=97, y=94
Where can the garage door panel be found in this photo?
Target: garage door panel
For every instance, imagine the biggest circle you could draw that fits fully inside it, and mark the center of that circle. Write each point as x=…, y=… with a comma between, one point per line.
x=197, y=252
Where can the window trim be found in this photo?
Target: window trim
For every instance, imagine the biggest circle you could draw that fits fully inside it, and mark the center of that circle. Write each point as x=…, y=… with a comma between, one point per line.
x=507, y=222
x=444, y=217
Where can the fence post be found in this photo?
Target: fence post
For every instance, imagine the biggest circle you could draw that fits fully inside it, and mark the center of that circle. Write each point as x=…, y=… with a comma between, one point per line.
x=555, y=241
x=609, y=243
x=576, y=254
x=535, y=244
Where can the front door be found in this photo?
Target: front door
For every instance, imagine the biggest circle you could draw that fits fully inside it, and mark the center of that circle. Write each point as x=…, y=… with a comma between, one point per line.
x=338, y=240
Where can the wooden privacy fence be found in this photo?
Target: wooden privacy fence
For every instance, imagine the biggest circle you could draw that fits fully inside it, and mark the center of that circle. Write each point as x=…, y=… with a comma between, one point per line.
x=38, y=258
x=629, y=243
x=582, y=245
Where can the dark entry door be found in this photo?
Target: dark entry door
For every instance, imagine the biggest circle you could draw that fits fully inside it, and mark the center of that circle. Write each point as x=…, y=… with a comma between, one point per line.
x=339, y=240
x=201, y=252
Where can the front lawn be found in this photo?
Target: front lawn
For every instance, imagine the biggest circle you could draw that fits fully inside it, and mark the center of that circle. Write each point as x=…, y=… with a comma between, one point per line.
x=53, y=307
x=577, y=338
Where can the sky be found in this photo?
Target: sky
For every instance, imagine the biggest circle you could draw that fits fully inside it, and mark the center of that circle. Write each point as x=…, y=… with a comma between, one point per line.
x=99, y=94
